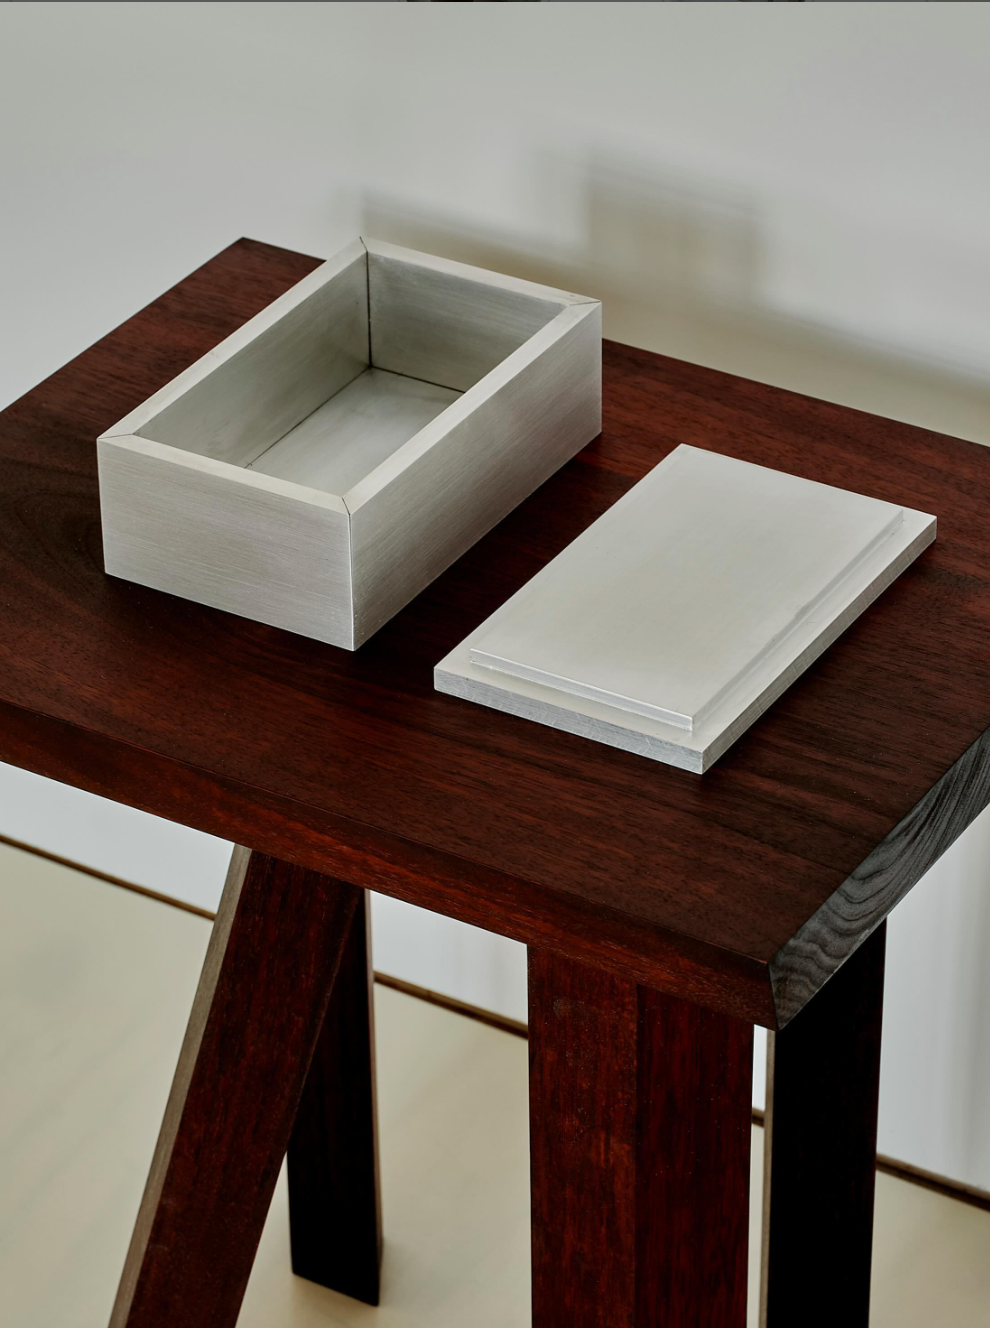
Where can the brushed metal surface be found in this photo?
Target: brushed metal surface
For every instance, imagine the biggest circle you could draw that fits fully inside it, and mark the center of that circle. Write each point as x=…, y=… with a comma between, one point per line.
x=720, y=561
x=248, y=392
x=679, y=615
x=347, y=437
x=438, y=323
x=260, y=548
x=467, y=469
x=320, y=466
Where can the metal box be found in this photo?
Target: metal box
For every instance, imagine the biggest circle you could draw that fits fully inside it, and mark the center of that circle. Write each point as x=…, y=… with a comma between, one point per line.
x=326, y=461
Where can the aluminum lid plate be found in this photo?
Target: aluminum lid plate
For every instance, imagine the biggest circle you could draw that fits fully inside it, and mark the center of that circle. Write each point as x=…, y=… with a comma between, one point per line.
x=685, y=610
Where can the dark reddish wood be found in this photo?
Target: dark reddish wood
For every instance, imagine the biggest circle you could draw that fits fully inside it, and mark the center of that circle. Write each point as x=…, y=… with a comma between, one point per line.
x=352, y=765
x=513, y=907
x=334, y=1190
x=640, y=1110
x=266, y=981
x=823, y=1086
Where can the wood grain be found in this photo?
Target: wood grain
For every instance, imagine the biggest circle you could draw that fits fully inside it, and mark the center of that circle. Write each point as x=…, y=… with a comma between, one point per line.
x=850, y=915
x=823, y=1087
x=266, y=981
x=334, y=1185
x=640, y=1111
x=353, y=766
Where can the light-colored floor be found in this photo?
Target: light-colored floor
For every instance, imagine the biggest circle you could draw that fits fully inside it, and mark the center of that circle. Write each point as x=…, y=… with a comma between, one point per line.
x=95, y=987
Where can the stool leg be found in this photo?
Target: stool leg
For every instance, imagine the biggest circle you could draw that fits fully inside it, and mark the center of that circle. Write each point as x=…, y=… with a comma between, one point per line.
x=823, y=1083
x=640, y=1118
x=266, y=981
x=334, y=1190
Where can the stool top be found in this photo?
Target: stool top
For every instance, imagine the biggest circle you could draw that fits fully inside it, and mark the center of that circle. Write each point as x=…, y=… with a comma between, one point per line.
x=742, y=889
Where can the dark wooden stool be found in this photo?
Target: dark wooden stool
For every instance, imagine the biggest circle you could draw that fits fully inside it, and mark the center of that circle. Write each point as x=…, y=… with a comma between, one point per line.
x=665, y=913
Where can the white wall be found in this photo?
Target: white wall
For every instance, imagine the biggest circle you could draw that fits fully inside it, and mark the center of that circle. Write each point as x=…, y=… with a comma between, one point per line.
x=799, y=195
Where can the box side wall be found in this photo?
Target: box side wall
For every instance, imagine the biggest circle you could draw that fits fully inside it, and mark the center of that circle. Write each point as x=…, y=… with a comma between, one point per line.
x=251, y=400
x=411, y=530
x=233, y=546
x=444, y=328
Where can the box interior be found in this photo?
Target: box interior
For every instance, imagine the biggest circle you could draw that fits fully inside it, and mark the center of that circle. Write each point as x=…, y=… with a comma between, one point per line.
x=344, y=378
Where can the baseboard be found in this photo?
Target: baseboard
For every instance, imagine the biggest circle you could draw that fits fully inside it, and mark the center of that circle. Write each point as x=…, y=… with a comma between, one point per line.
x=499, y=1021
x=105, y=876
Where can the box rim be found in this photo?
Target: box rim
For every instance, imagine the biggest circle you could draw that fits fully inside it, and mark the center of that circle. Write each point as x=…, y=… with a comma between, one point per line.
x=231, y=345
x=225, y=470
x=574, y=308
x=394, y=466
x=469, y=272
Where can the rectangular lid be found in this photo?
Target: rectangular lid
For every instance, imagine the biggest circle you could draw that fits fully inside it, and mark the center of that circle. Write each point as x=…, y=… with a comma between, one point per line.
x=669, y=602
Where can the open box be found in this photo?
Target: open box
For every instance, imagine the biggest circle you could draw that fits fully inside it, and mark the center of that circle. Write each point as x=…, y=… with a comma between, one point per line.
x=324, y=463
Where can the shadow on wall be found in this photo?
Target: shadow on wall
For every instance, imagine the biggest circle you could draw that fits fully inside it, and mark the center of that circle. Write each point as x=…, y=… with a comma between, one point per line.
x=680, y=265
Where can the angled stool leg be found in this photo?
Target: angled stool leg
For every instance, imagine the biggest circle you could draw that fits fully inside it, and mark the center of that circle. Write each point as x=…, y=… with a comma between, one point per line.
x=823, y=1085
x=334, y=1190
x=640, y=1121
x=275, y=949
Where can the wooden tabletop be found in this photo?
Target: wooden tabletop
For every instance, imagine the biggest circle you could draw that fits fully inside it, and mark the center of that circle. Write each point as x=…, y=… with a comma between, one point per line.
x=743, y=888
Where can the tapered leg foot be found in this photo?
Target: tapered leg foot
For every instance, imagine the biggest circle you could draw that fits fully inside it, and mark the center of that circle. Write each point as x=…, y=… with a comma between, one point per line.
x=823, y=1084
x=266, y=982
x=334, y=1192
x=640, y=1119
